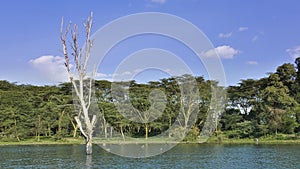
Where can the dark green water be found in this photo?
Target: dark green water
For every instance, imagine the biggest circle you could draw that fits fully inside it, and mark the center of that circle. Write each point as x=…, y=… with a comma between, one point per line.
x=182, y=156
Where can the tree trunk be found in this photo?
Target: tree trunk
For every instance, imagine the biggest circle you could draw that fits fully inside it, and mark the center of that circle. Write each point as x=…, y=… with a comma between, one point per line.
x=75, y=131
x=123, y=136
x=38, y=137
x=104, y=125
x=105, y=130
x=16, y=130
x=81, y=61
x=111, y=132
x=170, y=125
x=75, y=127
x=88, y=134
x=60, y=121
x=38, y=129
x=146, y=130
x=49, y=129
x=89, y=146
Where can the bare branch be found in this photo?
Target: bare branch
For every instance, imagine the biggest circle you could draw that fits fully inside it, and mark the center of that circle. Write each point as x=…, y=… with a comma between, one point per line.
x=63, y=37
x=75, y=47
x=94, y=120
x=81, y=58
x=89, y=43
x=80, y=126
x=90, y=88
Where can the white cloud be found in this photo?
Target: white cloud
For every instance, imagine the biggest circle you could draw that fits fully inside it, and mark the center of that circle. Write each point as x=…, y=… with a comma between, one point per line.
x=241, y=29
x=159, y=1
x=225, y=52
x=252, y=63
x=138, y=70
x=225, y=35
x=127, y=73
x=101, y=75
x=50, y=68
x=168, y=70
x=104, y=76
x=254, y=38
x=257, y=36
x=294, y=52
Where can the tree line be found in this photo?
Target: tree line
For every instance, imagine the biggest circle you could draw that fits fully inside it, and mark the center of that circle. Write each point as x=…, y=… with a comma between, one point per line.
x=253, y=108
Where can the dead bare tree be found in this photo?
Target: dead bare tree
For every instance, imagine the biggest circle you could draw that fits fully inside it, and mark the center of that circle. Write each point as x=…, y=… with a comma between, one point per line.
x=82, y=84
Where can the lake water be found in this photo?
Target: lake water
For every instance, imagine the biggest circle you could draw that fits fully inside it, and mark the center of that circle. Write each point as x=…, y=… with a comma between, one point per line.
x=182, y=156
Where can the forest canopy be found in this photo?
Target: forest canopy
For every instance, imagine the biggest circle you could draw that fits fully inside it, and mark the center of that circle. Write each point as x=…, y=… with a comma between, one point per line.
x=254, y=108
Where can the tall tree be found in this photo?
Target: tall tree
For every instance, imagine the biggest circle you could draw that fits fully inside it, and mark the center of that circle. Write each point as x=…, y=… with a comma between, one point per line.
x=277, y=100
x=243, y=96
x=297, y=62
x=287, y=74
x=82, y=84
x=189, y=104
x=296, y=88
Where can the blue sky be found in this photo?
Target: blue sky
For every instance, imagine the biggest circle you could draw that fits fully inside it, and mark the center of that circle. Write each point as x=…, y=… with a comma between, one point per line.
x=251, y=37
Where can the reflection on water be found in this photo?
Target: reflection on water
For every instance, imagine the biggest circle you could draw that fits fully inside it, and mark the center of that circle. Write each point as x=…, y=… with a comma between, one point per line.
x=182, y=156
x=88, y=163
x=138, y=150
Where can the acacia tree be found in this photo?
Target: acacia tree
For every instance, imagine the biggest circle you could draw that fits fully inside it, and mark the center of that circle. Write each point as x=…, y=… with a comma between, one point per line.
x=189, y=104
x=82, y=84
x=149, y=104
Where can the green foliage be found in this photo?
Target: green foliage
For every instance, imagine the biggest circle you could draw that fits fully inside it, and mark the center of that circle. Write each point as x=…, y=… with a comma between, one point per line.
x=193, y=135
x=268, y=106
x=230, y=118
x=32, y=111
x=265, y=107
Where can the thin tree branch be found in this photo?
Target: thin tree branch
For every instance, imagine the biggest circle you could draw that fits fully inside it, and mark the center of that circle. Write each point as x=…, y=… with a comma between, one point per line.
x=80, y=126
x=63, y=37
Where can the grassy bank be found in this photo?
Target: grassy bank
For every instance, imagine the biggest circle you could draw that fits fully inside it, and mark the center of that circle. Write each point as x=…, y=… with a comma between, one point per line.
x=43, y=141
x=280, y=139
x=221, y=139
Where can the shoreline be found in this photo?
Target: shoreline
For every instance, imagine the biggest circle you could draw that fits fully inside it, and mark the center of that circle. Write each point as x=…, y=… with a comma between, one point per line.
x=65, y=141
x=78, y=141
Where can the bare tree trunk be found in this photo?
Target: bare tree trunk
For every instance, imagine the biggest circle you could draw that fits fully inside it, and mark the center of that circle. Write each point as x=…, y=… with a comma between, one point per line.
x=88, y=134
x=81, y=59
x=89, y=145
